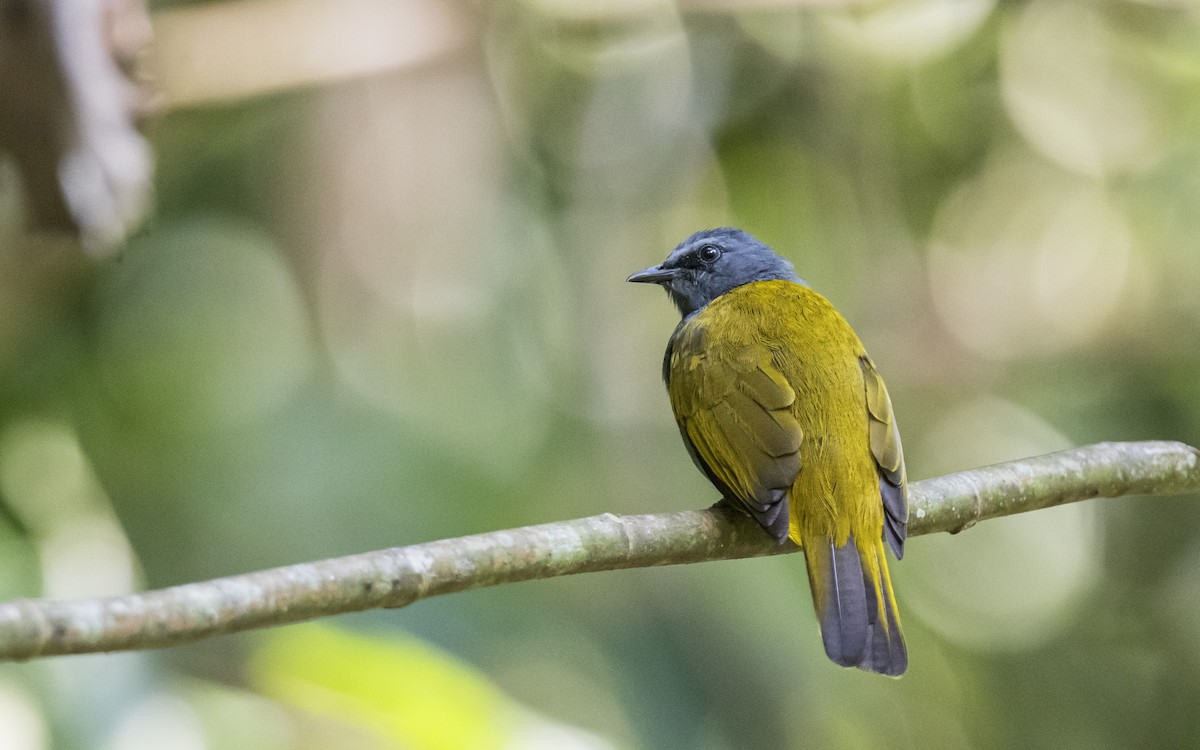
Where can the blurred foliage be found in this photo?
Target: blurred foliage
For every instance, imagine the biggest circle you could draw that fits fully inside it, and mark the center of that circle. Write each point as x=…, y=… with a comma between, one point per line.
x=391, y=309
x=403, y=689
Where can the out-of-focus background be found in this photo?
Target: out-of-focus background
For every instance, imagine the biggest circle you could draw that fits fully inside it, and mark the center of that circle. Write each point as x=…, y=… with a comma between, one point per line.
x=380, y=300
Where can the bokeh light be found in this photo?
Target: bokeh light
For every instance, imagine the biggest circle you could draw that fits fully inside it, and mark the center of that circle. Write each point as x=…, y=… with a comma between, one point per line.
x=382, y=301
x=21, y=724
x=1020, y=581
x=201, y=327
x=1025, y=260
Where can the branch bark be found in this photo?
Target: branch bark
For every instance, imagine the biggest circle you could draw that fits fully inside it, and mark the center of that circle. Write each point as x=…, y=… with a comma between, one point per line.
x=400, y=576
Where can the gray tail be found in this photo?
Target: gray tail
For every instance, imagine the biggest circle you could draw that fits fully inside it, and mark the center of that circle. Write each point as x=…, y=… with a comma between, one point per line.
x=858, y=629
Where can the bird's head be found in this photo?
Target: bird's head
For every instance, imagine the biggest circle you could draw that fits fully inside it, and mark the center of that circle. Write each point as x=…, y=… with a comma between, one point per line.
x=710, y=263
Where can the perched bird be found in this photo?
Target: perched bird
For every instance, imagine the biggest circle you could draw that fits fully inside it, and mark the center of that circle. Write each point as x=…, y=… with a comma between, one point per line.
x=781, y=408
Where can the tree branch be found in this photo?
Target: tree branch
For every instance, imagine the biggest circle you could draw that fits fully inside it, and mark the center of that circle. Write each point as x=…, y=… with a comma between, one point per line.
x=400, y=576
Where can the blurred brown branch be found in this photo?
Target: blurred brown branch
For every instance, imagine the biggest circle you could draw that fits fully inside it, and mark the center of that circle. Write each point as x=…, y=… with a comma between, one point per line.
x=214, y=52
x=69, y=106
x=400, y=576
x=71, y=97
x=217, y=51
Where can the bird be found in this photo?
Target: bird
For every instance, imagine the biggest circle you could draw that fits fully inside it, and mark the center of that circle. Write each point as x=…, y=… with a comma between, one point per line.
x=782, y=410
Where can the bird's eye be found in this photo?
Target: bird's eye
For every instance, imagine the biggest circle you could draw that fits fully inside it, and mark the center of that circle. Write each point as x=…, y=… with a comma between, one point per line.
x=710, y=253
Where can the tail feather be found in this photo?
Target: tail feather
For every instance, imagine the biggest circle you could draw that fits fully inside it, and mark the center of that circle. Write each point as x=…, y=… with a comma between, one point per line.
x=856, y=606
x=886, y=652
x=842, y=604
x=895, y=514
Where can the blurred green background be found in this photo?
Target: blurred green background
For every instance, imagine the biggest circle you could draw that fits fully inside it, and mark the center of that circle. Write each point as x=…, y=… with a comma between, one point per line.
x=382, y=301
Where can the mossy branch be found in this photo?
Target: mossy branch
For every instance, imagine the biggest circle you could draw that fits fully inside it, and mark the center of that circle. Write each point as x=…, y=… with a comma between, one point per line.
x=400, y=576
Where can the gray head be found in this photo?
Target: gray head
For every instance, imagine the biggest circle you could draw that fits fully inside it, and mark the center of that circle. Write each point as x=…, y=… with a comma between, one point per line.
x=712, y=262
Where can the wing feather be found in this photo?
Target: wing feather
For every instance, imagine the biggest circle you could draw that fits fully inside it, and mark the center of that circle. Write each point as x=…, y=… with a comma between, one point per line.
x=889, y=457
x=734, y=410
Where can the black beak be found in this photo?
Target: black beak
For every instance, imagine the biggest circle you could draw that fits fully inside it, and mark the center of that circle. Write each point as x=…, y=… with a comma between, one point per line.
x=654, y=275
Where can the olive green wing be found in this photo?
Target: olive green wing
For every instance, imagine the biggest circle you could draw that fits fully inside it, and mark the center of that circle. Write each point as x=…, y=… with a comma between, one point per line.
x=734, y=409
x=889, y=457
